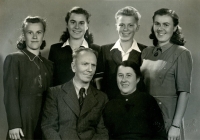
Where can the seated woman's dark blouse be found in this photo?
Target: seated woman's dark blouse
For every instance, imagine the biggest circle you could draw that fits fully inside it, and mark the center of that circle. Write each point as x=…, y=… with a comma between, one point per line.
x=135, y=116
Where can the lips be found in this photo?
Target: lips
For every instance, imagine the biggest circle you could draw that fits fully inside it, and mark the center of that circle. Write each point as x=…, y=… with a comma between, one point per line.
x=124, y=85
x=125, y=34
x=76, y=32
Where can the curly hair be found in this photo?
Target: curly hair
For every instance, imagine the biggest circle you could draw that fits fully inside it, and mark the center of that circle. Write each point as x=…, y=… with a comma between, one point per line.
x=21, y=44
x=78, y=10
x=177, y=37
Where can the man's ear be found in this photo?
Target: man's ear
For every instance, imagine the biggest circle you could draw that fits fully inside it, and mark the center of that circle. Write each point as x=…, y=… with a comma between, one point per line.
x=73, y=66
x=137, y=80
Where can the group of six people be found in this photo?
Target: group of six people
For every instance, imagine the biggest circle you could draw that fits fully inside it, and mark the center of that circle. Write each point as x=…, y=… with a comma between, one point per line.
x=124, y=90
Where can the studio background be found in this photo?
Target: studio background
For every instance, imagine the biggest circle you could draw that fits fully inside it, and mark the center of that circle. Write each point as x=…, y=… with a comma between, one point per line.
x=102, y=26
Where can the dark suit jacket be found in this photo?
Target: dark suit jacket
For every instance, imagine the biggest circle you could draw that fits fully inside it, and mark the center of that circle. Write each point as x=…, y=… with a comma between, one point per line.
x=62, y=58
x=108, y=62
x=62, y=118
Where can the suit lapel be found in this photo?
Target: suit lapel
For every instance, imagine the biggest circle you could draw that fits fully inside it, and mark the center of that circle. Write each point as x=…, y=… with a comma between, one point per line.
x=89, y=101
x=135, y=57
x=70, y=97
x=116, y=56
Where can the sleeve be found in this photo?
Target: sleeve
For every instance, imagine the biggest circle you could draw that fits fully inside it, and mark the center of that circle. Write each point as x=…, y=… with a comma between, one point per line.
x=51, y=58
x=50, y=117
x=101, y=131
x=183, y=72
x=11, y=92
x=51, y=54
x=100, y=64
x=157, y=122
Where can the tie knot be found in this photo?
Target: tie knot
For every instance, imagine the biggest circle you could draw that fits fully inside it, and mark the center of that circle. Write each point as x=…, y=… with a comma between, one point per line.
x=82, y=91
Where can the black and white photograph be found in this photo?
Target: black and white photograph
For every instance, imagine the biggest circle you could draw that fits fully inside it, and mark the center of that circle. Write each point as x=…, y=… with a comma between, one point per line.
x=99, y=69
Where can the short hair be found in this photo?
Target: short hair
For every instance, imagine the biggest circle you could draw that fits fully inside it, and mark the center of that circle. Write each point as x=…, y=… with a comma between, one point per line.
x=21, y=44
x=81, y=49
x=177, y=37
x=77, y=10
x=128, y=11
x=133, y=65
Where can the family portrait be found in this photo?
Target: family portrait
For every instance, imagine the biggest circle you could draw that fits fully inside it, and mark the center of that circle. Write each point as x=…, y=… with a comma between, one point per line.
x=107, y=69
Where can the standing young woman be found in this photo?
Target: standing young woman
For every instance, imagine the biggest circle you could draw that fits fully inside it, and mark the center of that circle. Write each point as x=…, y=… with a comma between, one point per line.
x=166, y=69
x=27, y=75
x=76, y=35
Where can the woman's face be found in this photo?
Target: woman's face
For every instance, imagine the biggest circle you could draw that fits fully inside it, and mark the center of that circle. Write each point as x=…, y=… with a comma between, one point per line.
x=126, y=80
x=126, y=27
x=33, y=34
x=77, y=26
x=164, y=28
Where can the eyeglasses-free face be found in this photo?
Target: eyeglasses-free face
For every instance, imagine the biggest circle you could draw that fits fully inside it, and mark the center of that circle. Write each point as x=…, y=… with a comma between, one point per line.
x=126, y=27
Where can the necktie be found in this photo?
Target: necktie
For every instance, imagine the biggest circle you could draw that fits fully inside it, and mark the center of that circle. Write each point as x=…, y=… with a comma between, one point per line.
x=158, y=51
x=81, y=98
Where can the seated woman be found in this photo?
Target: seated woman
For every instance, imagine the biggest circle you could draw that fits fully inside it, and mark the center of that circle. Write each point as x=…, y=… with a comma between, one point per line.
x=134, y=114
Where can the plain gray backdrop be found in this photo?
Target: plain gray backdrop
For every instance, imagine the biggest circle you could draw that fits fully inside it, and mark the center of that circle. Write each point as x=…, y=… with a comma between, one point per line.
x=102, y=25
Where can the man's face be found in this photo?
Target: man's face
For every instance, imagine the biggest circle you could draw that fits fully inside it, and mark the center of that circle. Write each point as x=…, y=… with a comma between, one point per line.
x=126, y=27
x=126, y=80
x=84, y=67
x=77, y=26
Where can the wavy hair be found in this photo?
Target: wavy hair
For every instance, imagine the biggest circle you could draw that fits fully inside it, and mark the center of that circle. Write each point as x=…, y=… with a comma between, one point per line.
x=21, y=44
x=177, y=37
x=77, y=10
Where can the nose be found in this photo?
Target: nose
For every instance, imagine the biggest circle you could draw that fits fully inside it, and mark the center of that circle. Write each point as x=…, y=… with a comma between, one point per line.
x=35, y=36
x=125, y=28
x=90, y=68
x=76, y=26
x=124, y=79
x=160, y=27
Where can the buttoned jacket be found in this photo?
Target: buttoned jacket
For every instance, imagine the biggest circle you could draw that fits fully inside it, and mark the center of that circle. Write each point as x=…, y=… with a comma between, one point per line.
x=63, y=119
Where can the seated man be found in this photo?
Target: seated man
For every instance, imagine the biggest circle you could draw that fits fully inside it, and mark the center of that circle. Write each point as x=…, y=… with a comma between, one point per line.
x=133, y=114
x=71, y=114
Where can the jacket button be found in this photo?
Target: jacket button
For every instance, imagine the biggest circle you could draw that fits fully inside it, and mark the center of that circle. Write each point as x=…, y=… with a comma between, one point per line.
x=159, y=103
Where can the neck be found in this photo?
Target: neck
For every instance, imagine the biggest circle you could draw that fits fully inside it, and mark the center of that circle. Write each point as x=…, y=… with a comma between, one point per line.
x=36, y=52
x=126, y=45
x=162, y=43
x=75, y=43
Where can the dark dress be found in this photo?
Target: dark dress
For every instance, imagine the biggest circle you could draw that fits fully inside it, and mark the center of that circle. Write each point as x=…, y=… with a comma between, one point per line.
x=108, y=62
x=62, y=58
x=26, y=78
x=135, y=116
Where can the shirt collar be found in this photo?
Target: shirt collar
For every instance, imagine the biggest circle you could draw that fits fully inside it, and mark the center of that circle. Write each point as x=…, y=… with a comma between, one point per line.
x=84, y=44
x=134, y=46
x=78, y=87
x=164, y=47
x=31, y=56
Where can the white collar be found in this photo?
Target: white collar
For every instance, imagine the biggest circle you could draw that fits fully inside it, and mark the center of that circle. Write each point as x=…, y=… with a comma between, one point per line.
x=84, y=44
x=134, y=46
x=78, y=87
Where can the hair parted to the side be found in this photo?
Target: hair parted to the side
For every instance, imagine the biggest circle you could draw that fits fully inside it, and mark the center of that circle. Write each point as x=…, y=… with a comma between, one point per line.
x=81, y=49
x=21, y=44
x=177, y=37
x=129, y=11
x=133, y=65
x=77, y=10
